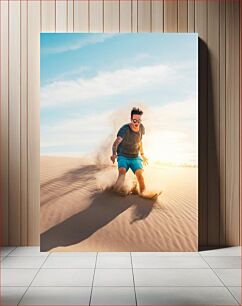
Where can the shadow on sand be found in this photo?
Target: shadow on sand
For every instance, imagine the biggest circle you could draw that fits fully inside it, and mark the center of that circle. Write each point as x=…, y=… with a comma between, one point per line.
x=104, y=207
x=70, y=181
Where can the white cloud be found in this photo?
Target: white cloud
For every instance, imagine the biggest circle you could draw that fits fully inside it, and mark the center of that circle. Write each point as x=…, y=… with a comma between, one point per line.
x=81, y=132
x=105, y=83
x=171, y=131
x=78, y=44
x=142, y=56
x=68, y=74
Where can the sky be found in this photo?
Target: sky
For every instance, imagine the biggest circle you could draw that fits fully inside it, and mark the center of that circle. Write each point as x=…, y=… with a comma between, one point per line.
x=91, y=81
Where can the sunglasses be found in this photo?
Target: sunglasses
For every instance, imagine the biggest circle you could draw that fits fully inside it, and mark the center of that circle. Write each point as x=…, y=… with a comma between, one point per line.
x=136, y=120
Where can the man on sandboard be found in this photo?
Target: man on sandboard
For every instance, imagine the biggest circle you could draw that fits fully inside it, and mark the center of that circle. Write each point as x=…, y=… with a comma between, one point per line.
x=126, y=149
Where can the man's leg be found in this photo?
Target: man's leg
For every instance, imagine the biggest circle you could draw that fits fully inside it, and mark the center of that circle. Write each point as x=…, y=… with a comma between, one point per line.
x=119, y=185
x=140, y=178
x=121, y=177
x=144, y=193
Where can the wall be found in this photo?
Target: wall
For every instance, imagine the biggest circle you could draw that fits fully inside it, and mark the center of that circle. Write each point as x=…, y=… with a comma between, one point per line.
x=217, y=23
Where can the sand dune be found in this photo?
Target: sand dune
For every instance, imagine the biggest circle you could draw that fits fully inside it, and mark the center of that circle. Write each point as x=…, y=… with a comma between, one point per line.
x=78, y=214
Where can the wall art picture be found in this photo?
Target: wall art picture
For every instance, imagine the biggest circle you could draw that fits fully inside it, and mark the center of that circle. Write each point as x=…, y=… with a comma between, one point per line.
x=118, y=142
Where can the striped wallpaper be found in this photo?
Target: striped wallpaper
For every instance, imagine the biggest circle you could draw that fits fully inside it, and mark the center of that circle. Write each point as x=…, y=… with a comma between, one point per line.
x=218, y=25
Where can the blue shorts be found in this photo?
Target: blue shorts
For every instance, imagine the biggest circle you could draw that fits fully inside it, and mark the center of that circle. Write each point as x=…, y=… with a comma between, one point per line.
x=134, y=163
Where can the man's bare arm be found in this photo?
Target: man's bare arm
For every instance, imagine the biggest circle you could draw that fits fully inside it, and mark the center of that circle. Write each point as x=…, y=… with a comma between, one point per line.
x=116, y=144
x=115, y=148
x=145, y=159
x=141, y=148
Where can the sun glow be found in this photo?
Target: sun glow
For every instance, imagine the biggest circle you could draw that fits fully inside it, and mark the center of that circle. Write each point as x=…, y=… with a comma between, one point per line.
x=168, y=147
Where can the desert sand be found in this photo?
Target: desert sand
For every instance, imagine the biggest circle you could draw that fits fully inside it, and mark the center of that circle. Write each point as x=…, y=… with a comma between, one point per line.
x=79, y=213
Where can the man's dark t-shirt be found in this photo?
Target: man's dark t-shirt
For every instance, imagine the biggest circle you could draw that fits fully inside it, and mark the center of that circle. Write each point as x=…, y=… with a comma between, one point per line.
x=130, y=144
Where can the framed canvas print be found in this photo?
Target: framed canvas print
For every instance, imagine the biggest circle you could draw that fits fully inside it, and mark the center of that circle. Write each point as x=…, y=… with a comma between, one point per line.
x=119, y=142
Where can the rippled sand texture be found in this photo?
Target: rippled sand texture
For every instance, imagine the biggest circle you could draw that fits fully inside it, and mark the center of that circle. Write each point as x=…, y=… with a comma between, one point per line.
x=78, y=212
